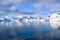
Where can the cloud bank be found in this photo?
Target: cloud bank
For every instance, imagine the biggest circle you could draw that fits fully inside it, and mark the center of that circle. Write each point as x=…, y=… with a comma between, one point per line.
x=10, y=6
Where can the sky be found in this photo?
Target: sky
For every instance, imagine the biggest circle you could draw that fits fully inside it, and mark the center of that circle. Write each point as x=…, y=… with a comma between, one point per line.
x=29, y=7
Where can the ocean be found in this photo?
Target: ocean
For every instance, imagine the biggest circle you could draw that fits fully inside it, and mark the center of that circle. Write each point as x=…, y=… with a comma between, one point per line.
x=29, y=31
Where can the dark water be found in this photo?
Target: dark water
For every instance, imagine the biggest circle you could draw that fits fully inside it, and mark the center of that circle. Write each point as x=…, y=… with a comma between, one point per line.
x=29, y=31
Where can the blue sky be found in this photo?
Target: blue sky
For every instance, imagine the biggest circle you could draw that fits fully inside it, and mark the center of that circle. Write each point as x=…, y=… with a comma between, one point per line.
x=29, y=6
x=25, y=7
x=45, y=10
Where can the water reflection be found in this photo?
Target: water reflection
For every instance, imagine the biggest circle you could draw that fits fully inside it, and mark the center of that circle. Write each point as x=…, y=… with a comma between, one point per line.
x=11, y=24
x=17, y=30
x=55, y=25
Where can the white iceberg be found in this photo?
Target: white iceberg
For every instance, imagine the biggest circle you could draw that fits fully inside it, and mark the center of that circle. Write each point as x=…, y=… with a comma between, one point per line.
x=55, y=17
x=55, y=20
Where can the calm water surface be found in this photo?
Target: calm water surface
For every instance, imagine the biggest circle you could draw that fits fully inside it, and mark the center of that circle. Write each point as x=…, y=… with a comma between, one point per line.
x=29, y=31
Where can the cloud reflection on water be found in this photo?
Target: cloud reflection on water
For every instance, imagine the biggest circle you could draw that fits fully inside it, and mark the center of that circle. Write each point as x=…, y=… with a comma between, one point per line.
x=53, y=25
x=35, y=30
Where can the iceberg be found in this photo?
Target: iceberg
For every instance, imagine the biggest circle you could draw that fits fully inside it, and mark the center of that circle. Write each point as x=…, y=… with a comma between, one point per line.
x=55, y=20
x=55, y=17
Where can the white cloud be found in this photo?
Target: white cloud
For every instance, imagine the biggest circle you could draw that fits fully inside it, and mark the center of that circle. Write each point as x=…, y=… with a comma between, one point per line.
x=11, y=1
x=13, y=8
x=52, y=5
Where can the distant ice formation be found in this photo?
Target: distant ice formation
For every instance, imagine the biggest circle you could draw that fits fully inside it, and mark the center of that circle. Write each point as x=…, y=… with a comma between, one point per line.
x=55, y=20
x=55, y=17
